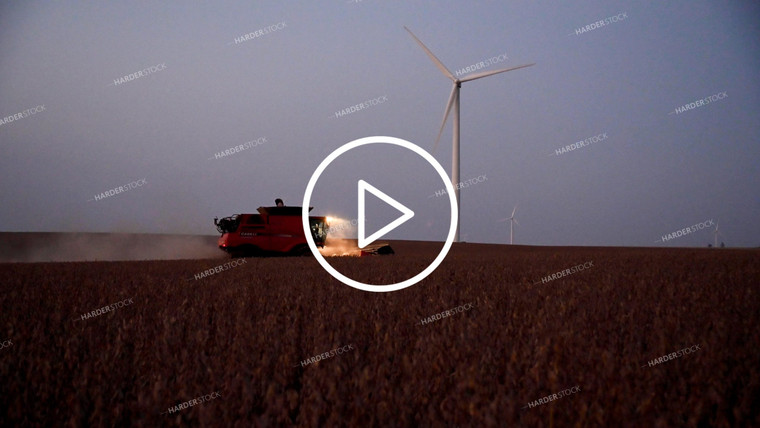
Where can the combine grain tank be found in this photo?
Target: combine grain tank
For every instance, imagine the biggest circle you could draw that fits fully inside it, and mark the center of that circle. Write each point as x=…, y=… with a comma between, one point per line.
x=273, y=231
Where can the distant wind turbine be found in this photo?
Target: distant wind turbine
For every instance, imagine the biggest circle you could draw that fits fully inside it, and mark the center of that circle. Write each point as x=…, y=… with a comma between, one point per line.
x=454, y=101
x=512, y=222
x=716, y=233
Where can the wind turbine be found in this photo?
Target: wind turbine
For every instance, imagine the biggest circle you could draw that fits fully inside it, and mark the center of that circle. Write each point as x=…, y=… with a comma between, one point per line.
x=454, y=101
x=512, y=222
x=716, y=233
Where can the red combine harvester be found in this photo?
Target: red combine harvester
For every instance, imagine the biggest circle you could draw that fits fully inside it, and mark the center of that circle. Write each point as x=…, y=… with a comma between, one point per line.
x=273, y=231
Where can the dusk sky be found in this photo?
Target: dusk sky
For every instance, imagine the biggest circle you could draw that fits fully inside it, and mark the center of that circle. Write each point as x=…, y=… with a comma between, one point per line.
x=660, y=169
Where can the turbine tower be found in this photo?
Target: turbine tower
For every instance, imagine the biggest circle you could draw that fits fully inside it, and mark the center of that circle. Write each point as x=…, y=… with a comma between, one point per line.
x=512, y=220
x=454, y=101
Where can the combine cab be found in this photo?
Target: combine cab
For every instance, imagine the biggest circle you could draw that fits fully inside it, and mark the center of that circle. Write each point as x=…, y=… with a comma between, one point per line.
x=273, y=231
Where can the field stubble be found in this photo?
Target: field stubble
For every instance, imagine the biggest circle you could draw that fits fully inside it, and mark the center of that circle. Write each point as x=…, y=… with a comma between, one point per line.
x=244, y=331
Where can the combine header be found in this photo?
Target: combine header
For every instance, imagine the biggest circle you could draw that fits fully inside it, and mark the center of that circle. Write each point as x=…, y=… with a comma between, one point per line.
x=273, y=231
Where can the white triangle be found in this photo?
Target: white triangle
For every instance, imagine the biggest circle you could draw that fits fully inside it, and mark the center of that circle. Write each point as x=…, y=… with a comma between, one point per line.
x=407, y=214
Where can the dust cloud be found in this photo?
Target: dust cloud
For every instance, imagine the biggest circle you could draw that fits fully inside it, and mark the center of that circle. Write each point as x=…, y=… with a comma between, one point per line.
x=32, y=247
x=336, y=247
x=341, y=239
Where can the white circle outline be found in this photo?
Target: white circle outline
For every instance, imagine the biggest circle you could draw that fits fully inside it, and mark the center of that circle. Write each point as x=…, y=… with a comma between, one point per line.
x=310, y=188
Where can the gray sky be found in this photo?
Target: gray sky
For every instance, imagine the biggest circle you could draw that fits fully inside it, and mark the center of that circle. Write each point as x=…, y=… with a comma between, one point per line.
x=656, y=172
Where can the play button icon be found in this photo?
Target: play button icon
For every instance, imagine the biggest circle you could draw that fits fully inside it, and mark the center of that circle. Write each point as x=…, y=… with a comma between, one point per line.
x=363, y=186
x=407, y=214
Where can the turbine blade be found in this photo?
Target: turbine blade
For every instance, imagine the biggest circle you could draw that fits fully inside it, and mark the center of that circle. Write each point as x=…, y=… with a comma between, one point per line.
x=445, y=116
x=491, y=73
x=513, y=211
x=437, y=61
x=516, y=222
